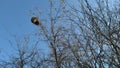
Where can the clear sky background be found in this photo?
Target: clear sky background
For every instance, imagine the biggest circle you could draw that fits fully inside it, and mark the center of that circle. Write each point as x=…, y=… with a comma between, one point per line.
x=15, y=19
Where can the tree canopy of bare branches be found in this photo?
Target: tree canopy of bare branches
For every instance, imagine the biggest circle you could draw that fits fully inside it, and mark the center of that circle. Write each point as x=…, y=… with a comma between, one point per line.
x=80, y=34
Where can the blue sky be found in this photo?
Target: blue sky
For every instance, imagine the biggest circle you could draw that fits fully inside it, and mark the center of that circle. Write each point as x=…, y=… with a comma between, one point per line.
x=15, y=18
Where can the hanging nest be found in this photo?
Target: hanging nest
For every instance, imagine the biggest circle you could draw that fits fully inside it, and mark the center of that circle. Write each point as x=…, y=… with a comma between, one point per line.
x=35, y=20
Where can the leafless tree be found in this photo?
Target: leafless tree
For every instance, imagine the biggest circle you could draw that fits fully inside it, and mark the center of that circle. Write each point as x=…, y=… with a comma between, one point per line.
x=88, y=35
x=25, y=54
x=95, y=32
x=79, y=34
